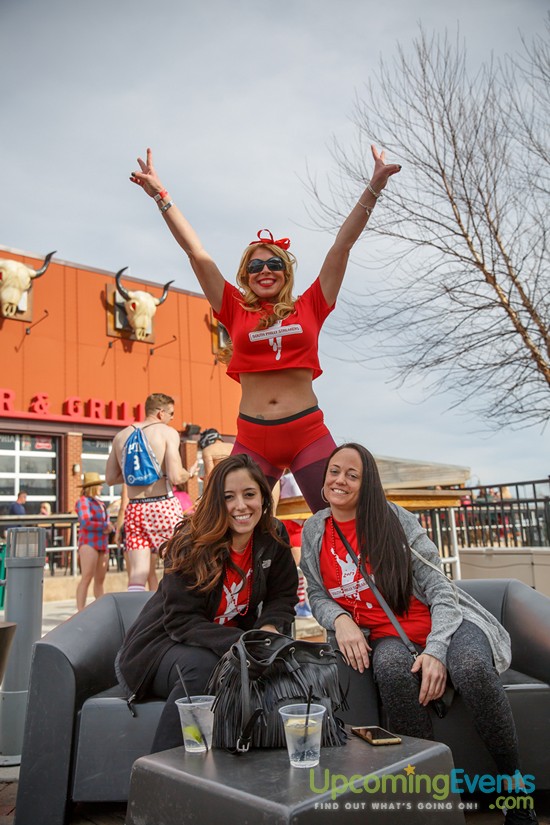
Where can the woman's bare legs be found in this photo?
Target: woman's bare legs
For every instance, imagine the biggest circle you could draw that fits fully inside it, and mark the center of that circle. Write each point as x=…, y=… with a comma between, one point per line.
x=88, y=560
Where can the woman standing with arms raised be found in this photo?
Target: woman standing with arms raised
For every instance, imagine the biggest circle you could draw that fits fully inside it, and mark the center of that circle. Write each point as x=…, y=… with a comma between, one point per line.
x=274, y=336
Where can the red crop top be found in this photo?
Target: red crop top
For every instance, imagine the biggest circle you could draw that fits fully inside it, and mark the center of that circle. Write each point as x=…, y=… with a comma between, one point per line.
x=288, y=344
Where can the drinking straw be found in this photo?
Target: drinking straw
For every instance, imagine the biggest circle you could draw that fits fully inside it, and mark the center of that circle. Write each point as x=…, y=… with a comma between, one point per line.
x=308, y=709
x=195, y=720
x=182, y=680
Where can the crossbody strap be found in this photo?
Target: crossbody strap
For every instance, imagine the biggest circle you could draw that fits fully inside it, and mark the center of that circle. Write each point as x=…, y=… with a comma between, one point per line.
x=379, y=597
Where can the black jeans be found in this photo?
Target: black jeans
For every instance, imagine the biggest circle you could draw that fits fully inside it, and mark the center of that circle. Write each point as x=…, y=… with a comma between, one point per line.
x=196, y=665
x=471, y=669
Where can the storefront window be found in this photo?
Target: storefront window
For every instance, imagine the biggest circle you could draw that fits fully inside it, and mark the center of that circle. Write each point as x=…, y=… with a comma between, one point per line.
x=28, y=462
x=96, y=446
x=37, y=443
x=44, y=488
x=37, y=464
x=7, y=488
x=7, y=463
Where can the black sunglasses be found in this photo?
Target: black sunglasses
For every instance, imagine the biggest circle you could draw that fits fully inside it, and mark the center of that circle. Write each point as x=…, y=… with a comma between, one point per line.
x=273, y=264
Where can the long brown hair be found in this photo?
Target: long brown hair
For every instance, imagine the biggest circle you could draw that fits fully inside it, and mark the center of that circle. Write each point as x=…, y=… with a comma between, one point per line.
x=200, y=546
x=380, y=536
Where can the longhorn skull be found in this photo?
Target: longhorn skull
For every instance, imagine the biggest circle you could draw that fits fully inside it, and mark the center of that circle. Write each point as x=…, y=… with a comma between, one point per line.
x=140, y=306
x=15, y=280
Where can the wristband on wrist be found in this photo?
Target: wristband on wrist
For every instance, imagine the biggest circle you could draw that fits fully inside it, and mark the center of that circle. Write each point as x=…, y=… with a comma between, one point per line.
x=373, y=193
x=160, y=195
x=368, y=209
x=166, y=206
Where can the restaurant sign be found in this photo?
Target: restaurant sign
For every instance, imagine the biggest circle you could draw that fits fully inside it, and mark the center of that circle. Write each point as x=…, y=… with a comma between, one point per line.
x=74, y=410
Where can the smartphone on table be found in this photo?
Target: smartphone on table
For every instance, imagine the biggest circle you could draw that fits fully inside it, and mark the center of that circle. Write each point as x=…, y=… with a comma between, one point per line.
x=376, y=736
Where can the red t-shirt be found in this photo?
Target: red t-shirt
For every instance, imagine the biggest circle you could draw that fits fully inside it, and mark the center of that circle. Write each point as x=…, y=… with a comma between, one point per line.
x=294, y=530
x=349, y=589
x=235, y=593
x=288, y=344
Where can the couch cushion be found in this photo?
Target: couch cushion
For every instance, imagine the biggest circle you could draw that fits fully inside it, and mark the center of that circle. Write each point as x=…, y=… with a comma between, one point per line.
x=108, y=741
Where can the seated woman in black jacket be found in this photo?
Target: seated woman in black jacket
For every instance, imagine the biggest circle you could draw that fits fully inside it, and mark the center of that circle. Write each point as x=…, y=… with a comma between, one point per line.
x=228, y=568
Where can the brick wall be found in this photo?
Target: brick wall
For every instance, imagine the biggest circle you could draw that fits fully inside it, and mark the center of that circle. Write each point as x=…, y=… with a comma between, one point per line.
x=72, y=454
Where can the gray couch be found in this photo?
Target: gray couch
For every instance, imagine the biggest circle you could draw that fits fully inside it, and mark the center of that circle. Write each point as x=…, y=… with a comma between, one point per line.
x=81, y=740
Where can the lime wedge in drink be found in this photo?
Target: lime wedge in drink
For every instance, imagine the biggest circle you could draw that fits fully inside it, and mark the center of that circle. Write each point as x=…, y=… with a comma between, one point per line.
x=192, y=732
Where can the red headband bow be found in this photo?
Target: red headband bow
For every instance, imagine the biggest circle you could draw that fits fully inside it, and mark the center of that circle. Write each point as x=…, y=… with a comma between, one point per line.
x=284, y=243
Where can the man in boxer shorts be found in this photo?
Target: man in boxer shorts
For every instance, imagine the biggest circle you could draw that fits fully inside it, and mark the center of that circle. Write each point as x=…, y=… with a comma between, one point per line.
x=153, y=511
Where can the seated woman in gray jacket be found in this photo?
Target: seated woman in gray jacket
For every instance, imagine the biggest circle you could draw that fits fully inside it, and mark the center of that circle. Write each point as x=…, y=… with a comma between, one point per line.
x=453, y=634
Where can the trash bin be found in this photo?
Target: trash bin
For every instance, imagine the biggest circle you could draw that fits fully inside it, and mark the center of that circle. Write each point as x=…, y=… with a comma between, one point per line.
x=24, y=561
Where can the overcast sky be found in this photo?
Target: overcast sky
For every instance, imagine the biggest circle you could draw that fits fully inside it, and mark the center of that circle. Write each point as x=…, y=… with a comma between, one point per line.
x=237, y=99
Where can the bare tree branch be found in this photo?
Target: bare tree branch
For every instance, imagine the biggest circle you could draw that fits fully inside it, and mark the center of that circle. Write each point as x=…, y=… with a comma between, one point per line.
x=465, y=296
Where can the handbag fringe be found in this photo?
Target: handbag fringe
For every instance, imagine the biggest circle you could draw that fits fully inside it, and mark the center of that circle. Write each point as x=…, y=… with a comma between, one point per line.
x=272, y=690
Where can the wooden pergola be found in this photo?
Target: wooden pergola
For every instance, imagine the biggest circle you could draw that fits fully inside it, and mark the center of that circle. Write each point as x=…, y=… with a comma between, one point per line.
x=296, y=507
x=413, y=484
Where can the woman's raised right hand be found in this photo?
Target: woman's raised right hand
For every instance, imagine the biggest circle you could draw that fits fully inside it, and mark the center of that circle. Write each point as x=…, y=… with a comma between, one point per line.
x=147, y=178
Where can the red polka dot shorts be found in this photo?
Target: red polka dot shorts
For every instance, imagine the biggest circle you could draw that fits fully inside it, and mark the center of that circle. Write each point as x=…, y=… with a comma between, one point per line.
x=148, y=523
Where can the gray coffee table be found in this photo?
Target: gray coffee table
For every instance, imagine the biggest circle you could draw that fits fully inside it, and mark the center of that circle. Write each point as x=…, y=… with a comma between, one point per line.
x=176, y=788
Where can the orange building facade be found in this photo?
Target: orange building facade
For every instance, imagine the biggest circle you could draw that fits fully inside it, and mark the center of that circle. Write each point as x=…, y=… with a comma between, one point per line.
x=73, y=373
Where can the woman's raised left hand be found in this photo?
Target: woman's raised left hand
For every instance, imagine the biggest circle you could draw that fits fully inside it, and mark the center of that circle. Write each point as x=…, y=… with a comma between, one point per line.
x=434, y=677
x=382, y=170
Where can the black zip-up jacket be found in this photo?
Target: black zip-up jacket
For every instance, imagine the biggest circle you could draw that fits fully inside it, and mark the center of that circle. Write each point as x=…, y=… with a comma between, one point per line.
x=177, y=614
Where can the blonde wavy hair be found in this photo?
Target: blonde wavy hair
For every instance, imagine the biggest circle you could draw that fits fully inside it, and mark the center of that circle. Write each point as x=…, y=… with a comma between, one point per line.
x=251, y=303
x=284, y=305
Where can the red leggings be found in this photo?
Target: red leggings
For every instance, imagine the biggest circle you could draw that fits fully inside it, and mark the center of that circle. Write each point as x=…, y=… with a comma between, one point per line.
x=300, y=442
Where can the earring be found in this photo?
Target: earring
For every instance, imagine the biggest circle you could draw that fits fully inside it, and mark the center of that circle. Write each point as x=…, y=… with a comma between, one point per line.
x=323, y=495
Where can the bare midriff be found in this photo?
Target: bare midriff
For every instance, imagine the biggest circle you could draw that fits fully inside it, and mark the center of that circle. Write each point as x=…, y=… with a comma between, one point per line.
x=276, y=393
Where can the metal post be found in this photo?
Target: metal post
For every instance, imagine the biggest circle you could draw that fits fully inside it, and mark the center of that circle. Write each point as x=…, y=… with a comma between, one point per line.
x=25, y=558
x=454, y=543
x=74, y=551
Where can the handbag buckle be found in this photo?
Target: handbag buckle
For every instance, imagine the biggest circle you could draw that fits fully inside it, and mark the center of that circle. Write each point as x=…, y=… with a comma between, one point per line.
x=242, y=748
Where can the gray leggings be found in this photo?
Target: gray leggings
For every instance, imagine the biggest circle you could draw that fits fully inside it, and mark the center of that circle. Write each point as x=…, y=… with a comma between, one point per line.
x=470, y=667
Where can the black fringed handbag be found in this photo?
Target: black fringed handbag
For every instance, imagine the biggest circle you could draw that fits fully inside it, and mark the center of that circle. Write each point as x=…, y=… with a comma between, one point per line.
x=262, y=672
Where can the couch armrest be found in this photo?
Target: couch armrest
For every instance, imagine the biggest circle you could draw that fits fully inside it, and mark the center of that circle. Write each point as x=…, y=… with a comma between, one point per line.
x=525, y=613
x=526, y=617
x=71, y=663
x=42, y=793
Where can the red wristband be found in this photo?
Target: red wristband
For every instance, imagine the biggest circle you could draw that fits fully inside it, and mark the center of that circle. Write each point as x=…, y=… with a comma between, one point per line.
x=161, y=195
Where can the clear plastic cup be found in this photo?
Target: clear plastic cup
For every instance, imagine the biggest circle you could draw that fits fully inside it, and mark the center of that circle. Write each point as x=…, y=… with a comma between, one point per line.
x=197, y=722
x=303, y=734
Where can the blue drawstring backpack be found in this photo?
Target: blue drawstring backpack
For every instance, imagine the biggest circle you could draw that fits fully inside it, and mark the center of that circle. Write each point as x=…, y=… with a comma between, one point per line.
x=140, y=466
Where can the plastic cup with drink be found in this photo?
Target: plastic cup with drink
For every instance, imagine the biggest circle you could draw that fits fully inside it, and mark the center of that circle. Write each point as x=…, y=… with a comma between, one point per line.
x=197, y=722
x=303, y=725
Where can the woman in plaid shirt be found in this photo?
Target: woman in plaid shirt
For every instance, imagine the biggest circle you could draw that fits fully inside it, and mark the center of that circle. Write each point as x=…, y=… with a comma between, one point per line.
x=93, y=536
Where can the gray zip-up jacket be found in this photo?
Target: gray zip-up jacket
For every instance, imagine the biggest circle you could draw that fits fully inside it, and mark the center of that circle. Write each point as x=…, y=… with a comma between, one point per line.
x=448, y=604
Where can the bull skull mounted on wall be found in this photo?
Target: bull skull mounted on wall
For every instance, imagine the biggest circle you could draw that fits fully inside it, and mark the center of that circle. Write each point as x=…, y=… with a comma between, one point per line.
x=140, y=307
x=15, y=281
